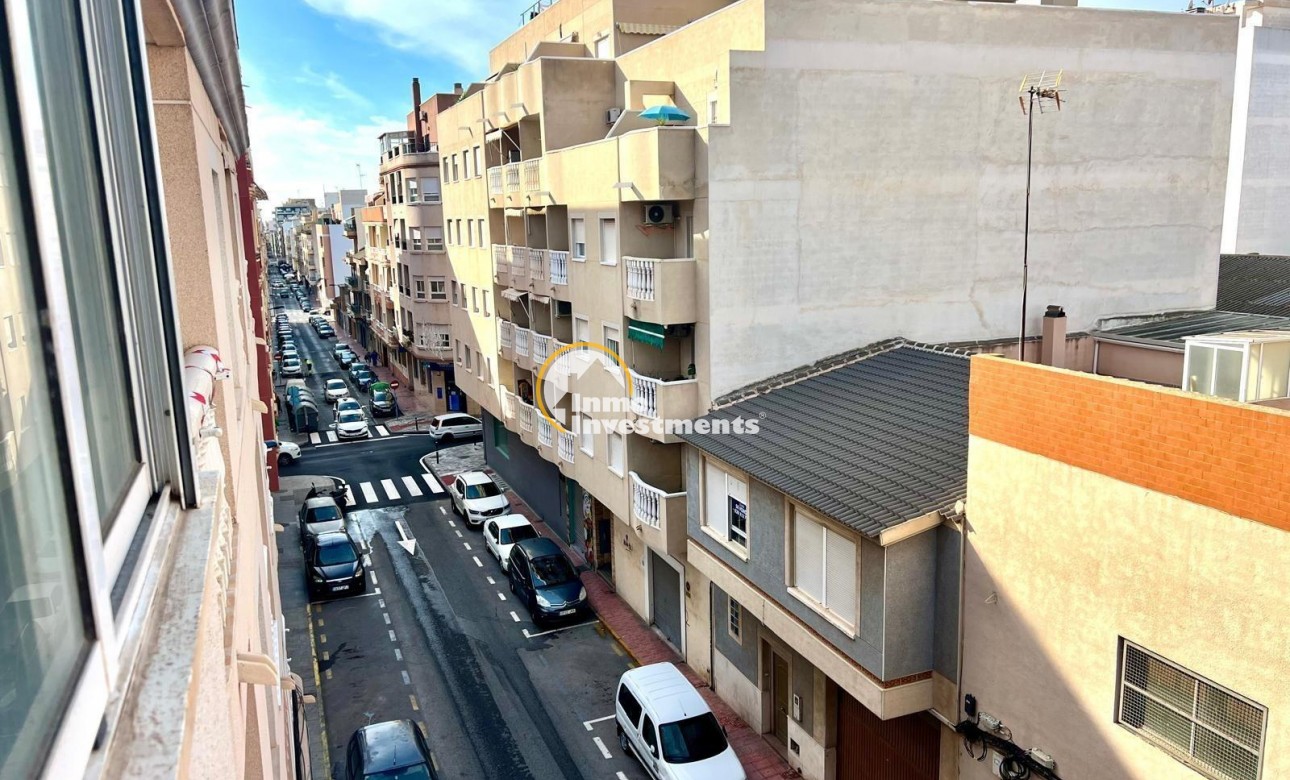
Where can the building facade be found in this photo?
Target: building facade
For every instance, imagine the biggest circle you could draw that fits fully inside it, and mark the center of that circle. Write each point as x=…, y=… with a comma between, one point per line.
x=141, y=623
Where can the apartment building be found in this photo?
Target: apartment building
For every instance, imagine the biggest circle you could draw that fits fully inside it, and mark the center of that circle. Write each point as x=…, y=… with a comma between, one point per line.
x=141, y=627
x=328, y=270
x=1118, y=614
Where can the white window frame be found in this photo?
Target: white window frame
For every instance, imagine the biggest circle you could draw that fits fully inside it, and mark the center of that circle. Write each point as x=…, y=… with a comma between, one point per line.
x=414, y=191
x=734, y=619
x=847, y=623
x=723, y=531
x=442, y=283
x=578, y=248
x=586, y=439
x=617, y=338
x=419, y=288
x=430, y=190
x=479, y=171
x=616, y=436
x=608, y=247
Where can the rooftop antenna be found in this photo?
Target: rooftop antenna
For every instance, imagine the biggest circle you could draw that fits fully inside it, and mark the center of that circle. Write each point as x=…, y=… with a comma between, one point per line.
x=1040, y=92
x=359, y=167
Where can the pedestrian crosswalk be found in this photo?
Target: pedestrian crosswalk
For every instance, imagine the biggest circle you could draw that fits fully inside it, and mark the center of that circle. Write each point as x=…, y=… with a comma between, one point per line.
x=384, y=491
x=330, y=436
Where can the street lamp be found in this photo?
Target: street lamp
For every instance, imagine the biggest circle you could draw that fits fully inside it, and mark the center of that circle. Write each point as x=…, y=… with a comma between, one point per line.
x=1038, y=91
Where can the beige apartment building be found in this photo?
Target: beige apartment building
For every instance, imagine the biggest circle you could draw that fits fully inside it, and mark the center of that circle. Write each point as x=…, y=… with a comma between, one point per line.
x=141, y=627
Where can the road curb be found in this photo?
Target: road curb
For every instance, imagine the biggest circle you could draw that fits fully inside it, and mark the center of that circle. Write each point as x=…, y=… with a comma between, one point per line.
x=322, y=710
x=617, y=638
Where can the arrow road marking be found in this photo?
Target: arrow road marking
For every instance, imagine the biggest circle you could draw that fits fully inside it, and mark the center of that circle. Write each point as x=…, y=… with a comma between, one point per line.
x=405, y=539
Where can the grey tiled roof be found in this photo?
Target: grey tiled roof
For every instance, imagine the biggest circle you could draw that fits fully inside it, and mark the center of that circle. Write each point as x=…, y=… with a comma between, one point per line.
x=1172, y=330
x=1257, y=284
x=871, y=438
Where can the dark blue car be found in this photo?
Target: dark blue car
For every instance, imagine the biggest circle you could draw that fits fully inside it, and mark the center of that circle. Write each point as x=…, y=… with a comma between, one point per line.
x=541, y=576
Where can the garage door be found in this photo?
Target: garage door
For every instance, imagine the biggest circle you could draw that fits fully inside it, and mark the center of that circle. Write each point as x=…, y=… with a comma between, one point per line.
x=870, y=748
x=665, y=596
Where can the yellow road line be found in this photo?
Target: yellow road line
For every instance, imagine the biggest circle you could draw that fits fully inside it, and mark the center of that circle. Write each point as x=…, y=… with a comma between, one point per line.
x=322, y=712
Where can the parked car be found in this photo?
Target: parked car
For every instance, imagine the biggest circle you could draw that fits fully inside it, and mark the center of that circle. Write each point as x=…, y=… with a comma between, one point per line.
x=326, y=332
x=446, y=427
x=319, y=515
x=502, y=533
x=395, y=749
x=288, y=451
x=544, y=580
x=476, y=497
x=335, y=566
x=365, y=379
x=667, y=724
x=289, y=353
x=346, y=359
x=335, y=488
x=348, y=404
x=336, y=389
x=338, y=349
x=357, y=369
x=292, y=367
x=382, y=403
x=352, y=425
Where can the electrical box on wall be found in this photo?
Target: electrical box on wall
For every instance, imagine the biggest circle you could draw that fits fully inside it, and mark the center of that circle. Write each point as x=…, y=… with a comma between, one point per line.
x=797, y=708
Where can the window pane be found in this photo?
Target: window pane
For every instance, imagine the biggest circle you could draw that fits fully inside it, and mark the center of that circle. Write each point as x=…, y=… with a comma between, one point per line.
x=714, y=498
x=840, y=574
x=87, y=255
x=42, y=630
x=1200, y=362
x=1229, y=759
x=808, y=556
x=1227, y=374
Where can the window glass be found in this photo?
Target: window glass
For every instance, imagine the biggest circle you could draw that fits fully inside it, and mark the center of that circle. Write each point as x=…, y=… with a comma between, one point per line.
x=332, y=554
x=552, y=570
x=1227, y=373
x=608, y=242
x=615, y=439
x=43, y=614
x=579, y=230
x=1200, y=367
x=692, y=739
x=631, y=707
x=96, y=304
x=484, y=490
x=647, y=733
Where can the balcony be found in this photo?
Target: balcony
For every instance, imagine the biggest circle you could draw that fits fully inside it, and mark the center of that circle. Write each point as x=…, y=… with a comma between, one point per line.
x=546, y=439
x=565, y=447
x=523, y=356
x=532, y=175
x=512, y=176
x=528, y=422
x=509, y=403
x=542, y=347
x=537, y=264
x=401, y=150
x=654, y=399
x=660, y=291
x=658, y=516
x=559, y=265
x=495, y=181
x=519, y=260
x=501, y=266
x=506, y=338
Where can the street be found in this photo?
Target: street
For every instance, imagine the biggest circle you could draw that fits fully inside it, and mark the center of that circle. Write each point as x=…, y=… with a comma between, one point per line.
x=437, y=637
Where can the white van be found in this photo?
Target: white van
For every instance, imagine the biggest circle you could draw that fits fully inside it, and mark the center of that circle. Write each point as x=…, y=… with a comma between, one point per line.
x=667, y=724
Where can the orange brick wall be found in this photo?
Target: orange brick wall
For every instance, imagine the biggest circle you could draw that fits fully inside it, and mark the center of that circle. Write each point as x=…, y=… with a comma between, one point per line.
x=1229, y=456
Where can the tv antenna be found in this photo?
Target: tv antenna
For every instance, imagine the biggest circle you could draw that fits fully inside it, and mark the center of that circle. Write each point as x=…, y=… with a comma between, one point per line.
x=1040, y=92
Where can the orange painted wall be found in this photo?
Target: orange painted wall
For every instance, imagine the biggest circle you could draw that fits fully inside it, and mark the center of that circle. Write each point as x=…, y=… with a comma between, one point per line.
x=1229, y=456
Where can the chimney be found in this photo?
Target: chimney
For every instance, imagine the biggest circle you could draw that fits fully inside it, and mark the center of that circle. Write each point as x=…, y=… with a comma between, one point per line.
x=416, y=111
x=456, y=88
x=1052, y=350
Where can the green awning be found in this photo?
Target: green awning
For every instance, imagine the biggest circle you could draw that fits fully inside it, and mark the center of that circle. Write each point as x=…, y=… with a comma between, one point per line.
x=645, y=332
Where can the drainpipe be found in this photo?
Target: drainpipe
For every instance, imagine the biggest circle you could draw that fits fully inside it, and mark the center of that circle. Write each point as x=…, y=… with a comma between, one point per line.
x=255, y=289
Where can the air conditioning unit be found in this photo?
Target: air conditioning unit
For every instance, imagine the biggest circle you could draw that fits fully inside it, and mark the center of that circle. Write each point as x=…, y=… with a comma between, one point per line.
x=612, y=115
x=661, y=213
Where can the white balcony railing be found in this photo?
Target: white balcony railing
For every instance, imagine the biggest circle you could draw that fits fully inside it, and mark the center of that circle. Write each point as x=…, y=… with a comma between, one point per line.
x=519, y=260
x=541, y=346
x=532, y=175
x=565, y=446
x=495, y=180
x=640, y=278
x=648, y=502
x=546, y=434
x=645, y=396
x=537, y=264
x=527, y=413
x=559, y=266
x=508, y=404
x=511, y=172
x=506, y=333
x=500, y=264
x=522, y=341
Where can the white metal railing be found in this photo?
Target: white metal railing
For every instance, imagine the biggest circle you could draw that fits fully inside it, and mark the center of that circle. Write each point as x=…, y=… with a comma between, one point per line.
x=559, y=260
x=546, y=434
x=541, y=348
x=512, y=173
x=495, y=180
x=565, y=446
x=537, y=264
x=500, y=264
x=519, y=260
x=527, y=413
x=532, y=175
x=522, y=341
x=640, y=278
x=506, y=333
x=648, y=501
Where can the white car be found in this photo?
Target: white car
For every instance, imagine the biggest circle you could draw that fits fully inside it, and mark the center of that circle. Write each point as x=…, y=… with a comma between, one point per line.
x=501, y=534
x=292, y=367
x=336, y=389
x=290, y=353
x=476, y=497
x=446, y=427
x=352, y=425
x=288, y=452
x=664, y=721
x=348, y=404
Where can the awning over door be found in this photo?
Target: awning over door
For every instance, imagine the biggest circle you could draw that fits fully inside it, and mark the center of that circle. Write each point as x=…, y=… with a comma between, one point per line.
x=645, y=332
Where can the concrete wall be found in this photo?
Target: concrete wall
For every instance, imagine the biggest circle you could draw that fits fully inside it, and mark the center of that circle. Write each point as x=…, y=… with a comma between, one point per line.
x=1258, y=184
x=872, y=178
x=1142, y=364
x=523, y=467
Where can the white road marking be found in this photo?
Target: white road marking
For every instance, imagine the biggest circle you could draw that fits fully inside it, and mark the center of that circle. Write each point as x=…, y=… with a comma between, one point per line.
x=386, y=615
x=444, y=511
x=604, y=751
x=373, y=578
x=587, y=723
x=367, y=561
x=398, y=654
x=349, y=496
x=412, y=486
x=501, y=596
x=322, y=639
x=621, y=776
x=466, y=545
x=415, y=707
x=516, y=618
x=490, y=581
x=433, y=483
x=382, y=430
x=406, y=679
x=451, y=523
x=459, y=534
x=380, y=603
x=369, y=494
x=527, y=635
x=478, y=563
x=314, y=438
x=390, y=490
x=393, y=638
x=331, y=436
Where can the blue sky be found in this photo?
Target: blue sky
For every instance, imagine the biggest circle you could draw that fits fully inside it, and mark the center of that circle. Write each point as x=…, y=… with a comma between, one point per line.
x=325, y=77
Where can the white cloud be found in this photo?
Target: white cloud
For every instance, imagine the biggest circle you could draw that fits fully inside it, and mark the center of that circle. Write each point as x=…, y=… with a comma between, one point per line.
x=334, y=85
x=459, y=30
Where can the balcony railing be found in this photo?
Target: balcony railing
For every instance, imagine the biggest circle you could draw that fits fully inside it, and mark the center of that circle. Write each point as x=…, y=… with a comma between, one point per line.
x=537, y=264
x=565, y=446
x=546, y=434
x=640, y=278
x=542, y=346
x=559, y=266
x=532, y=175
x=519, y=260
x=509, y=402
x=661, y=291
x=527, y=413
x=495, y=180
x=522, y=341
x=648, y=502
x=655, y=399
x=500, y=264
x=511, y=172
x=506, y=333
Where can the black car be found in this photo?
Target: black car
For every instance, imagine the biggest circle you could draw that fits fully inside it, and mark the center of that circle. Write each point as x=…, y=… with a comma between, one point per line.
x=326, y=332
x=394, y=750
x=335, y=567
x=545, y=581
x=382, y=403
x=319, y=515
x=346, y=359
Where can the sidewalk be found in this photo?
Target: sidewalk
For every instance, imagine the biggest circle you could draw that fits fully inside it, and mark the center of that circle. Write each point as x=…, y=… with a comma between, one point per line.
x=411, y=414
x=759, y=759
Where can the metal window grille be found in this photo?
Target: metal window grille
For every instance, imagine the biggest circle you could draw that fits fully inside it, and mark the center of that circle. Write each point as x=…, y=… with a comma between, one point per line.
x=1210, y=729
x=736, y=620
